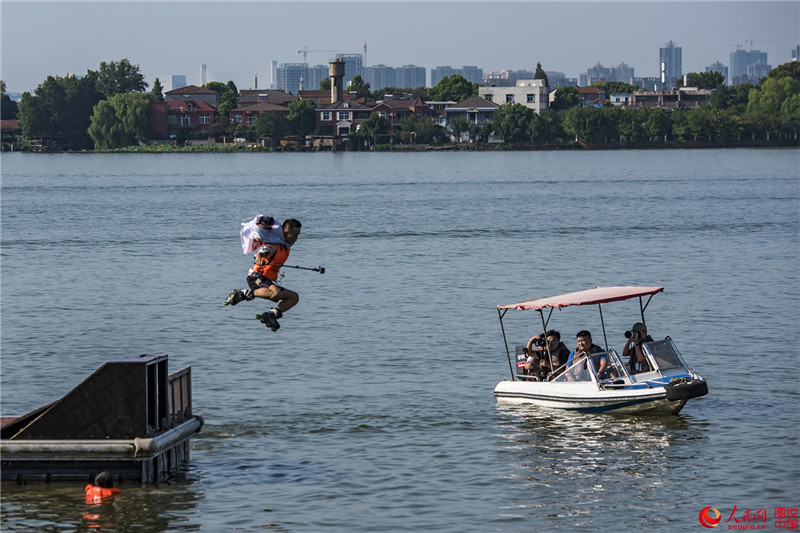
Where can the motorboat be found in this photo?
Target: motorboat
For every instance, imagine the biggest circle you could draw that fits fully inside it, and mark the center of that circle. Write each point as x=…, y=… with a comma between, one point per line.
x=663, y=388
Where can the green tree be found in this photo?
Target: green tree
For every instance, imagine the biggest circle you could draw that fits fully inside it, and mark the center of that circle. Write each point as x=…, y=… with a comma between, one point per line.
x=272, y=124
x=734, y=98
x=302, y=116
x=615, y=87
x=119, y=121
x=704, y=80
x=512, y=122
x=424, y=129
x=565, y=98
x=680, y=125
x=60, y=110
x=360, y=87
x=790, y=114
x=786, y=70
x=228, y=95
x=770, y=96
x=453, y=88
x=157, y=92
x=546, y=127
x=458, y=126
x=757, y=124
x=325, y=84
x=540, y=74
x=119, y=77
x=701, y=123
x=584, y=124
x=373, y=128
x=657, y=124
x=618, y=125
x=8, y=107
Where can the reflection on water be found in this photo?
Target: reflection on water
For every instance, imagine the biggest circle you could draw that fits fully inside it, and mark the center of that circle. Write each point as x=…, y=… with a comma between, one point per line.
x=587, y=467
x=61, y=506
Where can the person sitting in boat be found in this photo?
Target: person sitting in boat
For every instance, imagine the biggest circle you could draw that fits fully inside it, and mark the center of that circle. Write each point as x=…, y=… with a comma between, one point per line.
x=637, y=362
x=538, y=363
x=586, y=346
x=102, y=489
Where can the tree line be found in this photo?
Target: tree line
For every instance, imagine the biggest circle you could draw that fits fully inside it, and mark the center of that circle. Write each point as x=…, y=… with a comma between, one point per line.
x=107, y=108
x=769, y=111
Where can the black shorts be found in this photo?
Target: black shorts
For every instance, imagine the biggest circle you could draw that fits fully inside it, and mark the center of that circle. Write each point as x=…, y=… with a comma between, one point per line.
x=256, y=281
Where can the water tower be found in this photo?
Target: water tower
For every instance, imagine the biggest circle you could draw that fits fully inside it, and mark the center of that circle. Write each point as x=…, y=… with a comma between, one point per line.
x=336, y=74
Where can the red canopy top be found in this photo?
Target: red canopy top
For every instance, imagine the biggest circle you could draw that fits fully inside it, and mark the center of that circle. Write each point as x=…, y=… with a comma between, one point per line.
x=596, y=295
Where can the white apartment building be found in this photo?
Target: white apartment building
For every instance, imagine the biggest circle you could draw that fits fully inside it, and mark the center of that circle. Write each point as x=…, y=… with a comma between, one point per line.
x=530, y=93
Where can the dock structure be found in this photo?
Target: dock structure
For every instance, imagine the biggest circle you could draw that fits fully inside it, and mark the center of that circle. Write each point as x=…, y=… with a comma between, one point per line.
x=130, y=417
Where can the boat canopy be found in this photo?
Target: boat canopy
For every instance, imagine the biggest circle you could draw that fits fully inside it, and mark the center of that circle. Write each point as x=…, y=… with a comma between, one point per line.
x=596, y=295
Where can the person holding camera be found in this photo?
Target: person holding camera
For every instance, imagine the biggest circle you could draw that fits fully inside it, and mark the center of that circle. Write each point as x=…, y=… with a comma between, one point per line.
x=637, y=362
x=538, y=362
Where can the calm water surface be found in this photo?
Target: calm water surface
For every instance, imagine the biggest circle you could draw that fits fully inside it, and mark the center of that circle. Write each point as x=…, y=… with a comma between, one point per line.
x=372, y=408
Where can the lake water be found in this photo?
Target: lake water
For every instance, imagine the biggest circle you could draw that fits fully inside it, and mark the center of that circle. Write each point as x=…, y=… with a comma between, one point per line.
x=372, y=408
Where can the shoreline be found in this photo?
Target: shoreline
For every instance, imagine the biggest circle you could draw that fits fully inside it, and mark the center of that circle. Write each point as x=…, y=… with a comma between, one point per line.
x=463, y=147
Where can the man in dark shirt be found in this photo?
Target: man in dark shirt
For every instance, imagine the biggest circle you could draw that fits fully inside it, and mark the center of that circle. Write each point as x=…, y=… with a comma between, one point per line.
x=637, y=362
x=538, y=362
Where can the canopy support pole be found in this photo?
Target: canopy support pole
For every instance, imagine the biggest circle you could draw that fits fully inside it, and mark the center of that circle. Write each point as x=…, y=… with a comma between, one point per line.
x=500, y=315
x=603, y=324
x=643, y=307
x=544, y=336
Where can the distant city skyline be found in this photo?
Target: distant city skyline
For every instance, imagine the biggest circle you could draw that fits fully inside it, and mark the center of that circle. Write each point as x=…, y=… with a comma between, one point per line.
x=179, y=37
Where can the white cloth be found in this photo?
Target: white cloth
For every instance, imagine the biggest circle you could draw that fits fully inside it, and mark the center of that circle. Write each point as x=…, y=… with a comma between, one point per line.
x=254, y=236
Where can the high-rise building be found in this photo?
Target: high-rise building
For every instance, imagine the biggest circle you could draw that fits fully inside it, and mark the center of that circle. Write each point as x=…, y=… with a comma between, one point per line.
x=380, y=77
x=353, y=66
x=470, y=73
x=716, y=66
x=622, y=73
x=741, y=60
x=316, y=74
x=441, y=72
x=290, y=76
x=273, y=74
x=758, y=70
x=558, y=79
x=178, y=81
x=410, y=77
x=203, y=74
x=670, y=64
x=796, y=53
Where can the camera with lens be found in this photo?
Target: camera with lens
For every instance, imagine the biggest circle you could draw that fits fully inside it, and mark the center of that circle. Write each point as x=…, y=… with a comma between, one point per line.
x=541, y=342
x=632, y=333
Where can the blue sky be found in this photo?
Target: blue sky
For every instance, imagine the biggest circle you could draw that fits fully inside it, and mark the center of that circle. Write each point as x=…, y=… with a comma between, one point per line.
x=237, y=40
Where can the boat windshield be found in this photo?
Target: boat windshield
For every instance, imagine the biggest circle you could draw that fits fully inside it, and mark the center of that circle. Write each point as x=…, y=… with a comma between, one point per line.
x=664, y=353
x=585, y=368
x=581, y=369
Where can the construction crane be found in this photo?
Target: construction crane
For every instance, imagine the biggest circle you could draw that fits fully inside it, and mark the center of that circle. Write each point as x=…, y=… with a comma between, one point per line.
x=751, y=41
x=305, y=52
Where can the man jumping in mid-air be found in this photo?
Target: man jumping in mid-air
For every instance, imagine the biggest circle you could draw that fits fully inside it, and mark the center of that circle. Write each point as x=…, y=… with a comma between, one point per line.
x=271, y=242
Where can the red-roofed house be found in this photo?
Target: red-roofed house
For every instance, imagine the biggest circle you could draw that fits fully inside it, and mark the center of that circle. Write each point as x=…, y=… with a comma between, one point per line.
x=396, y=111
x=589, y=95
x=341, y=118
x=193, y=92
x=179, y=119
x=248, y=114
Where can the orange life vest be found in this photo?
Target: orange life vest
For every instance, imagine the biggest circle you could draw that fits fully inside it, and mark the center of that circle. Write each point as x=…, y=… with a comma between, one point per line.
x=269, y=267
x=96, y=494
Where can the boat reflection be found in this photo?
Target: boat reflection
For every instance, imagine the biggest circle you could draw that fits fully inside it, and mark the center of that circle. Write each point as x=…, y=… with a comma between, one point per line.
x=589, y=465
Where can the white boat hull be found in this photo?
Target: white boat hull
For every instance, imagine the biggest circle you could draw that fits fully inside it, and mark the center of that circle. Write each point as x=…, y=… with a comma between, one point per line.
x=586, y=397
